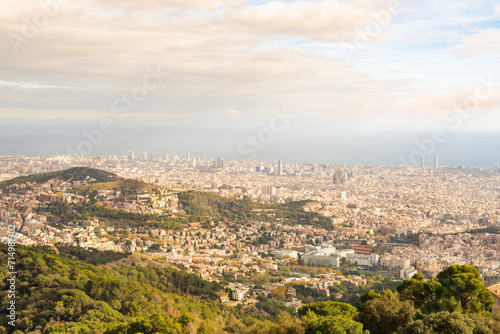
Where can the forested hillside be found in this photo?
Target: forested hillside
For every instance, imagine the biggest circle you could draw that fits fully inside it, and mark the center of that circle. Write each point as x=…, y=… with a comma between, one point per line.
x=211, y=205
x=73, y=174
x=58, y=294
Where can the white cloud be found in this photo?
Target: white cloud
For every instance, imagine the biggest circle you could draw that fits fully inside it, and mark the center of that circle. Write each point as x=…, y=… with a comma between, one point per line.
x=481, y=41
x=92, y=51
x=497, y=10
x=232, y=112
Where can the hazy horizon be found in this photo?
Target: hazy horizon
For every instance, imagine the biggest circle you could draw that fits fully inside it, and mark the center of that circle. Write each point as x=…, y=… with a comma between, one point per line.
x=388, y=148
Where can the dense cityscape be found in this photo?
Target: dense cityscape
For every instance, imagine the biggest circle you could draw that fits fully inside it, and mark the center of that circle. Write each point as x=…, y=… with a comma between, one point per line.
x=398, y=220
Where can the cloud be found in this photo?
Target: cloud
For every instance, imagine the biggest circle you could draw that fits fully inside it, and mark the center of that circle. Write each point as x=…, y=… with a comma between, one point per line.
x=79, y=114
x=474, y=98
x=232, y=112
x=327, y=20
x=86, y=56
x=481, y=40
x=497, y=10
x=242, y=60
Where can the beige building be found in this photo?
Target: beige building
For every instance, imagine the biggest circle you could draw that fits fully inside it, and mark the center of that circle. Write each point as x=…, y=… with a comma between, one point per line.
x=495, y=290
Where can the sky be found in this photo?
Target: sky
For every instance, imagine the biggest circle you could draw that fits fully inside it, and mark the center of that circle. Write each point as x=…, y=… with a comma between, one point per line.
x=327, y=81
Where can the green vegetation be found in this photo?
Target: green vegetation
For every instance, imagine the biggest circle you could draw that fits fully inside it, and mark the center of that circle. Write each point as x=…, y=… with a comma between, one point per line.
x=385, y=313
x=92, y=255
x=458, y=288
x=64, y=213
x=72, y=174
x=243, y=210
x=330, y=318
x=127, y=187
x=56, y=293
x=490, y=229
x=453, y=323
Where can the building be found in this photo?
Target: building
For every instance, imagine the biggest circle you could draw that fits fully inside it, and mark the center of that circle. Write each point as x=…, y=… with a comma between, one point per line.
x=407, y=273
x=422, y=161
x=363, y=259
x=339, y=177
x=269, y=190
x=220, y=163
x=239, y=293
x=495, y=291
x=394, y=262
x=436, y=161
x=130, y=155
x=324, y=255
x=280, y=167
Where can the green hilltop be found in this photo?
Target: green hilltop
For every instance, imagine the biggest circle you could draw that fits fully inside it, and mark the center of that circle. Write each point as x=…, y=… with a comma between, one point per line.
x=72, y=174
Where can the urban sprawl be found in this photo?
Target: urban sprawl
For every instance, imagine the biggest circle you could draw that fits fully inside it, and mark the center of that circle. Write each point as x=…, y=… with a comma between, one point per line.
x=427, y=217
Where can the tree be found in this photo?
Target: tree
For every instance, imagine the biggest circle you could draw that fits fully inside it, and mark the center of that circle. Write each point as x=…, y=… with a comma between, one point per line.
x=385, y=314
x=418, y=291
x=279, y=292
x=464, y=283
x=330, y=318
x=369, y=296
x=329, y=309
x=448, y=323
x=334, y=325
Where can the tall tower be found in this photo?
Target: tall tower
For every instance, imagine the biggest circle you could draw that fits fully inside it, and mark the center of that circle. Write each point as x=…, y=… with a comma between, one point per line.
x=339, y=177
x=422, y=161
x=280, y=167
x=436, y=161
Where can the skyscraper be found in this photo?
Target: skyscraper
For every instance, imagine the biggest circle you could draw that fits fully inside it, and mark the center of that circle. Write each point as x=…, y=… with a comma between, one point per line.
x=422, y=161
x=436, y=161
x=280, y=167
x=130, y=155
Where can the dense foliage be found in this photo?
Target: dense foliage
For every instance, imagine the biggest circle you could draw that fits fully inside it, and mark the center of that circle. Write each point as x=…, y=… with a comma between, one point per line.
x=73, y=174
x=64, y=213
x=458, y=288
x=92, y=255
x=59, y=293
x=56, y=294
x=242, y=210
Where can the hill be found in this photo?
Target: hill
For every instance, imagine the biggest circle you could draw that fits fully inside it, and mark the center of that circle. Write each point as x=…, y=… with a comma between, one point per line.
x=126, y=186
x=211, y=205
x=58, y=294
x=72, y=174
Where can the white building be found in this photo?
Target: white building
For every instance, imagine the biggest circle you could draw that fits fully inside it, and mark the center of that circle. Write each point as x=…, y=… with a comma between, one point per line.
x=407, y=273
x=363, y=260
x=324, y=255
x=239, y=294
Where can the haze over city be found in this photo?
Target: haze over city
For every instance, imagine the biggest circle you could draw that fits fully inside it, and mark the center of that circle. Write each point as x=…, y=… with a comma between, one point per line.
x=250, y=166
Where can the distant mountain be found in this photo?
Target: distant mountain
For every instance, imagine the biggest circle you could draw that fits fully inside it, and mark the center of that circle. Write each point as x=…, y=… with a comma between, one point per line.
x=72, y=174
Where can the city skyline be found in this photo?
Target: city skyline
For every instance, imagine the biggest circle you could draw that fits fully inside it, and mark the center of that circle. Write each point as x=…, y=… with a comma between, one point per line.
x=277, y=166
